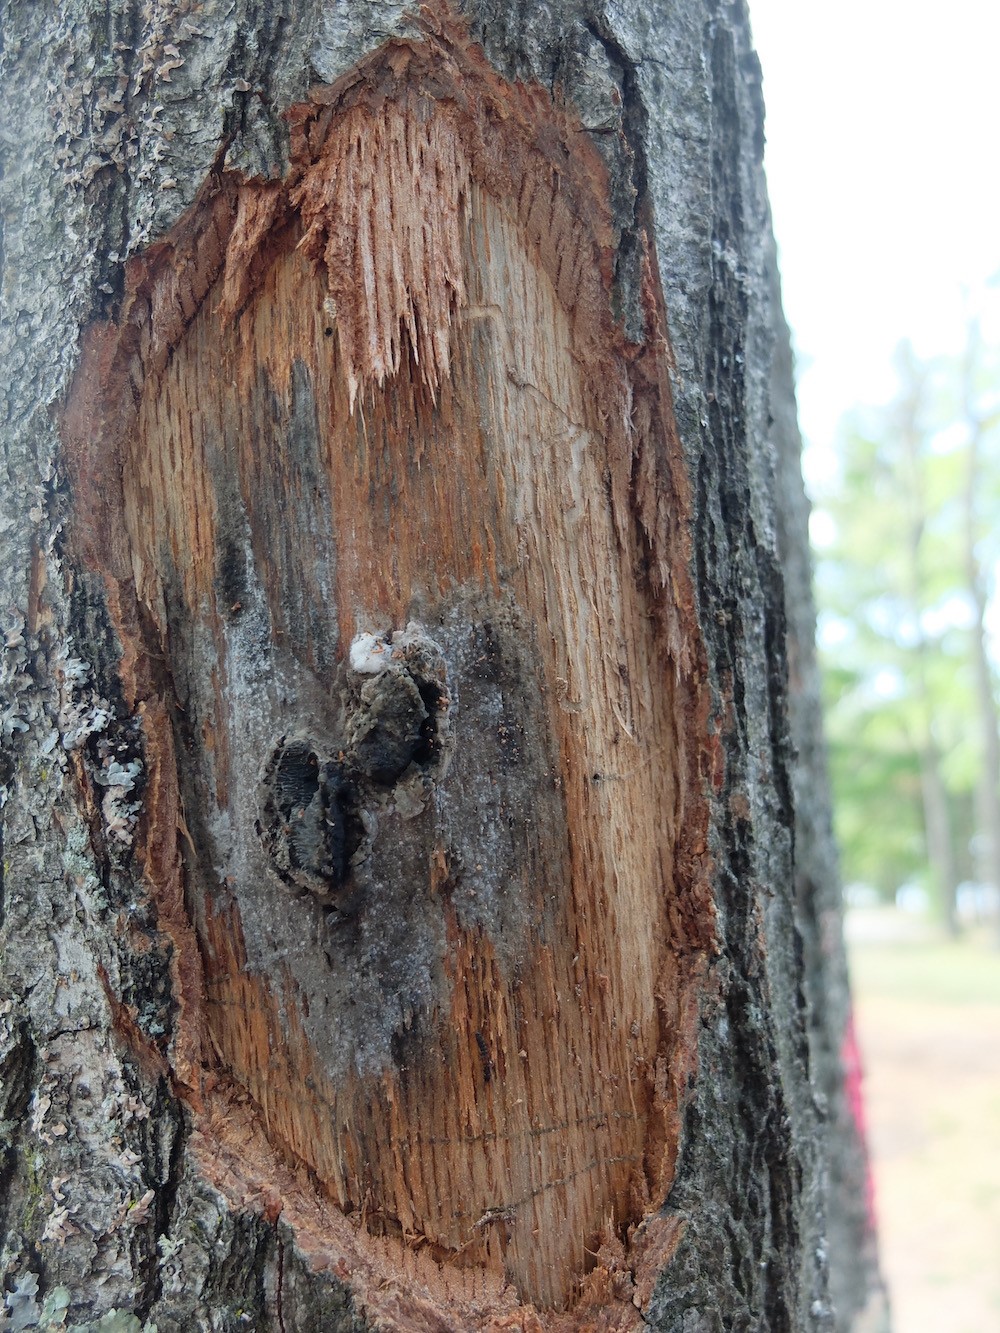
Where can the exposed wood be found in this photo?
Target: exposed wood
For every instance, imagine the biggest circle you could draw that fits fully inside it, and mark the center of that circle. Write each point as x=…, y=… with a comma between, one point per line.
x=390, y=391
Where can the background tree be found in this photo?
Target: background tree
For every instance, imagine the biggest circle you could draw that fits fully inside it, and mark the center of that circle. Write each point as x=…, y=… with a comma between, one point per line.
x=904, y=588
x=414, y=913
x=980, y=417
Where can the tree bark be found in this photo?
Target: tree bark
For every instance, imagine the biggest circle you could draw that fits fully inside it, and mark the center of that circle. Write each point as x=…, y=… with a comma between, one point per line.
x=419, y=908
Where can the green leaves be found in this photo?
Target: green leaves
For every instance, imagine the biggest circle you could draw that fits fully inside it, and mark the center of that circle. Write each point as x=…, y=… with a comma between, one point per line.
x=898, y=620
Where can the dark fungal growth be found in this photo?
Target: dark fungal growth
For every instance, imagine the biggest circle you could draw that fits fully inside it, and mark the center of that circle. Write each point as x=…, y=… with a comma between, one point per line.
x=310, y=823
x=321, y=800
x=389, y=727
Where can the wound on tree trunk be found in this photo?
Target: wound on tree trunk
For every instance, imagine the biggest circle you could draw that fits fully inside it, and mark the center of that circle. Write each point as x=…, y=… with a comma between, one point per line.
x=392, y=523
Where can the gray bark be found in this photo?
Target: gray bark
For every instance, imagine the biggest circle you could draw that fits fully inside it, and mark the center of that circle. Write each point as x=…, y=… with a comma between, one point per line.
x=113, y=116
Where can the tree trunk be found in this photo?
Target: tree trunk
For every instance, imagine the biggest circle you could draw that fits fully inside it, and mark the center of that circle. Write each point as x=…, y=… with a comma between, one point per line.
x=938, y=832
x=988, y=794
x=415, y=915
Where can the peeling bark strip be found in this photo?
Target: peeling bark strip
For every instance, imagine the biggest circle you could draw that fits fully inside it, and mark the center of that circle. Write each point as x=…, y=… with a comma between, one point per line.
x=437, y=904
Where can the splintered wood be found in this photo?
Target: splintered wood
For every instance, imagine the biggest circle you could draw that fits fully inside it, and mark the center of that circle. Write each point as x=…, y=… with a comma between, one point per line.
x=399, y=393
x=393, y=256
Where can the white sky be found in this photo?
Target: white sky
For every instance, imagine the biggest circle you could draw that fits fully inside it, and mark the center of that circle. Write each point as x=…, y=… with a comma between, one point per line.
x=883, y=162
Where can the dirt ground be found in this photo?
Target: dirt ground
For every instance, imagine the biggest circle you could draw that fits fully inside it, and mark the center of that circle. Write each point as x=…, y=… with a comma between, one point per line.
x=928, y=1015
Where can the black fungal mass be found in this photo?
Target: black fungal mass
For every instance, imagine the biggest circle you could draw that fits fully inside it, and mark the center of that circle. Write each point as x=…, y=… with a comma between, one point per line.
x=318, y=813
x=310, y=826
x=390, y=728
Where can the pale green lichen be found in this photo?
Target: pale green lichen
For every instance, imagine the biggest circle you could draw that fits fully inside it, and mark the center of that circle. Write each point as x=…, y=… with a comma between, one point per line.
x=115, y=1321
x=23, y=1308
x=24, y=1312
x=54, y=1308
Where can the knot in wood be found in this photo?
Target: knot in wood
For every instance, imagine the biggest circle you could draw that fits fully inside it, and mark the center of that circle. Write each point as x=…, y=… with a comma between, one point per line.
x=320, y=799
x=402, y=711
x=310, y=824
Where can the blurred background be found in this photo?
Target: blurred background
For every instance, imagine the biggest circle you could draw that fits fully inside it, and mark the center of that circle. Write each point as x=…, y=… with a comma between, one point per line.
x=884, y=172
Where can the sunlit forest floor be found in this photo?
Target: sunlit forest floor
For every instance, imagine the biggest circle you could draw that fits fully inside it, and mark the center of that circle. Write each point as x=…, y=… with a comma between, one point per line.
x=928, y=1014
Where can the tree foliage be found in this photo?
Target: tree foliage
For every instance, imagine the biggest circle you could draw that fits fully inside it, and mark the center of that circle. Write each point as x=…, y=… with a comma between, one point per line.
x=907, y=587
